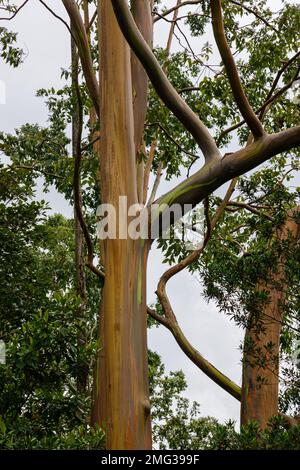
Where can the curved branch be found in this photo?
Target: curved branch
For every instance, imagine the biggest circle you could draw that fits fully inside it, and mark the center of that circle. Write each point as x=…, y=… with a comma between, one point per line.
x=210, y=370
x=82, y=43
x=156, y=316
x=160, y=82
x=170, y=321
x=196, y=253
x=232, y=72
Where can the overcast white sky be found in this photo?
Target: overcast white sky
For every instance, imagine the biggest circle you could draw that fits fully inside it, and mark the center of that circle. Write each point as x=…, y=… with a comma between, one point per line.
x=46, y=41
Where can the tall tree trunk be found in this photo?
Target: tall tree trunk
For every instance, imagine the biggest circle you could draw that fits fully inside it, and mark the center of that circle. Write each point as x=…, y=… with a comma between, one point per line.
x=121, y=399
x=260, y=386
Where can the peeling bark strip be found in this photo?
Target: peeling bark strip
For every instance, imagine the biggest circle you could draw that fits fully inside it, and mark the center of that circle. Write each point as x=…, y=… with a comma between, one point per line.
x=261, y=384
x=121, y=402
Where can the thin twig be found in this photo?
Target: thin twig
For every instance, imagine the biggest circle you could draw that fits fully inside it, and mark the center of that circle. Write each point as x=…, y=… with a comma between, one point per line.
x=16, y=12
x=60, y=19
x=257, y=15
x=176, y=7
x=162, y=128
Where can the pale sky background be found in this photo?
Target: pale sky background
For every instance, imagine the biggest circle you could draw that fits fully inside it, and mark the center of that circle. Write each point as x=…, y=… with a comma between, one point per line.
x=46, y=42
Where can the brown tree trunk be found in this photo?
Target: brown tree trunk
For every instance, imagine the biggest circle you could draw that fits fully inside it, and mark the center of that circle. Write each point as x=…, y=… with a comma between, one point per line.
x=121, y=398
x=260, y=386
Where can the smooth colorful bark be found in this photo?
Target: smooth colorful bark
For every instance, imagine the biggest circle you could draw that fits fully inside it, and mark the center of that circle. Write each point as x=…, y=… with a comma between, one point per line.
x=121, y=402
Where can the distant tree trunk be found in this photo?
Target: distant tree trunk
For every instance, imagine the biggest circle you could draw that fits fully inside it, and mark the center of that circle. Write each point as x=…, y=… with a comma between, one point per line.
x=121, y=398
x=260, y=386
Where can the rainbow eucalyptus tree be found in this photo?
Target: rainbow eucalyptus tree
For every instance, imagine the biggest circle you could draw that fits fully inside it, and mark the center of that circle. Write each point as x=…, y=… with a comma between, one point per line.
x=246, y=96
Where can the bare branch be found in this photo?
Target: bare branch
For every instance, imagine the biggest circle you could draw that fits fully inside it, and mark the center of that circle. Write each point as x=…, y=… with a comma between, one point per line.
x=172, y=28
x=91, y=22
x=33, y=168
x=280, y=72
x=232, y=72
x=189, y=88
x=59, y=18
x=159, y=318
